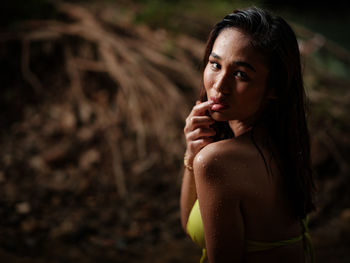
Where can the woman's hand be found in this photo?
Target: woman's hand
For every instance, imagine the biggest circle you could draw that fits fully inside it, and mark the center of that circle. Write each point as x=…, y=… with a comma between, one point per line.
x=197, y=130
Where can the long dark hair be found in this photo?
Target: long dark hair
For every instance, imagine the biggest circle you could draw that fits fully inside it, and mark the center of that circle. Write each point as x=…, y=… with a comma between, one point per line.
x=283, y=117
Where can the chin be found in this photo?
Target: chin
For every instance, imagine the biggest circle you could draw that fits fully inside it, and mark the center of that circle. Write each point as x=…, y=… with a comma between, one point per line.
x=219, y=116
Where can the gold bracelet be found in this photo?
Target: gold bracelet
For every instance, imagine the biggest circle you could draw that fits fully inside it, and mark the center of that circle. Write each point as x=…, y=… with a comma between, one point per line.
x=186, y=164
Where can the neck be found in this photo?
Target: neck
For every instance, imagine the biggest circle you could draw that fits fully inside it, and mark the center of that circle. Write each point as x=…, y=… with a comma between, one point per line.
x=240, y=127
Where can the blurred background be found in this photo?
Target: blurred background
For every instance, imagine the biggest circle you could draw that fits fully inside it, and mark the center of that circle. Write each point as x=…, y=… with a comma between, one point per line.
x=93, y=99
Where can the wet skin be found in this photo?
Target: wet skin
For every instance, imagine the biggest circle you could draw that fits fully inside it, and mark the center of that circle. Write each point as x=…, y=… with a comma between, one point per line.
x=238, y=199
x=235, y=79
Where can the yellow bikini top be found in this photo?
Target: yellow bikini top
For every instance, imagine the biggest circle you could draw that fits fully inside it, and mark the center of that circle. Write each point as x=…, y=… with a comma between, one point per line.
x=196, y=231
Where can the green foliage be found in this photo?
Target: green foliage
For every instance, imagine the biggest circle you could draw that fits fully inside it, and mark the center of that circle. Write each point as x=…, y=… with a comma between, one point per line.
x=173, y=14
x=331, y=65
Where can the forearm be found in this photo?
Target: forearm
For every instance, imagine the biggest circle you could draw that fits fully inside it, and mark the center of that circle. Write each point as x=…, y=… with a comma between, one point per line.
x=188, y=196
x=197, y=132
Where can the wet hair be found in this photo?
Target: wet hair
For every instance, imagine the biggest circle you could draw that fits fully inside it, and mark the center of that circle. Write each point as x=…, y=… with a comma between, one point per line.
x=283, y=117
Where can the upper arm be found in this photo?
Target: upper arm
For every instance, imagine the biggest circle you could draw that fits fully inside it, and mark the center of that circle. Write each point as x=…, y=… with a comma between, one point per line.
x=219, y=195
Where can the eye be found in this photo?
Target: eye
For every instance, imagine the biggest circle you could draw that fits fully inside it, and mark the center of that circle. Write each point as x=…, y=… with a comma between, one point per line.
x=241, y=75
x=215, y=65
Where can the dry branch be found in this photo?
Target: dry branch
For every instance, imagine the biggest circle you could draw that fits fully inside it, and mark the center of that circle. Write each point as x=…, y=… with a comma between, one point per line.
x=147, y=107
x=28, y=75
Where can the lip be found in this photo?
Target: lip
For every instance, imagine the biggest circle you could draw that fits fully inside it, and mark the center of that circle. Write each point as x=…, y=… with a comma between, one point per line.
x=218, y=104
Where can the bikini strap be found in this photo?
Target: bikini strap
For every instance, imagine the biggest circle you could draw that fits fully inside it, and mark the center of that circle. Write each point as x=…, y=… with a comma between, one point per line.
x=308, y=246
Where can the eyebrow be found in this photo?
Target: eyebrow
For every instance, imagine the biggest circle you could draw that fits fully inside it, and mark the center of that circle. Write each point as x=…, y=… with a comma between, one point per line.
x=238, y=63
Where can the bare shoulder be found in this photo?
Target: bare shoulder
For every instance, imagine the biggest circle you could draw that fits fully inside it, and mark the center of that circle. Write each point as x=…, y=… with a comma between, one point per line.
x=228, y=163
x=225, y=154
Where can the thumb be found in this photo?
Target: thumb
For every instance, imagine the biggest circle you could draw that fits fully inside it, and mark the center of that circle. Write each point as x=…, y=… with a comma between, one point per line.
x=198, y=102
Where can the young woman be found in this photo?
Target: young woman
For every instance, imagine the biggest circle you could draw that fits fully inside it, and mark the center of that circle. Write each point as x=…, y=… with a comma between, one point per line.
x=247, y=185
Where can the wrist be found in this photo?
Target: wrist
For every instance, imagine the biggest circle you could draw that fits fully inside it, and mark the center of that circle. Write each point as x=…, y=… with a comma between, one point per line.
x=188, y=162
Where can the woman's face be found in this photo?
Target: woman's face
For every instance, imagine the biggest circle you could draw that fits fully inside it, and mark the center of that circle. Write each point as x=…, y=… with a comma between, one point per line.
x=235, y=77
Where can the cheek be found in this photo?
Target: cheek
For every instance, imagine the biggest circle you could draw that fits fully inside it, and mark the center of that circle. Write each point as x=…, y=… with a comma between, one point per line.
x=243, y=89
x=250, y=95
x=207, y=80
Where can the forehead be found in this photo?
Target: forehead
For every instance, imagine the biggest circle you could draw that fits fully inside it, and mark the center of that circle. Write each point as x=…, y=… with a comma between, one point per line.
x=233, y=44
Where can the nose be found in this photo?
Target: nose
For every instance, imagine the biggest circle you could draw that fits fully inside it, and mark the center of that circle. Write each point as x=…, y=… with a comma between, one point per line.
x=222, y=83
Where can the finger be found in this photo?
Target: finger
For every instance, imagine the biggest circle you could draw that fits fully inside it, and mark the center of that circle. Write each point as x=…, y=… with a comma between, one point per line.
x=200, y=109
x=200, y=133
x=198, y=102
x=193, y=122
x=199, y=144
x=197, y=121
